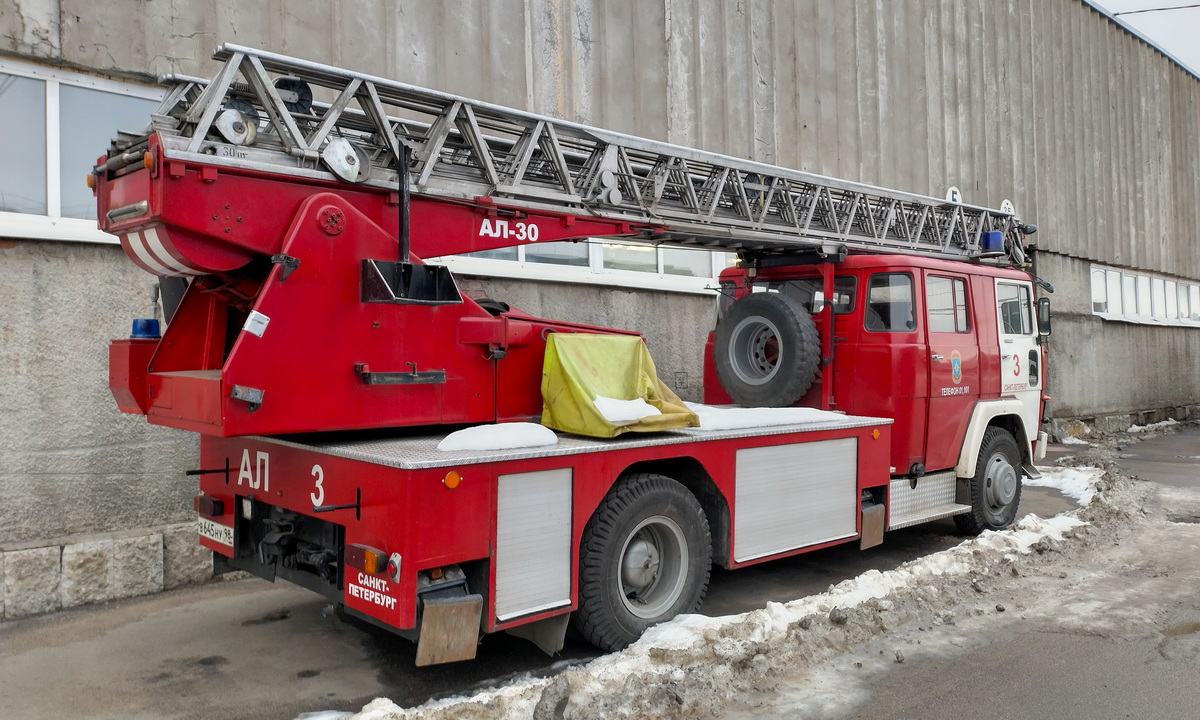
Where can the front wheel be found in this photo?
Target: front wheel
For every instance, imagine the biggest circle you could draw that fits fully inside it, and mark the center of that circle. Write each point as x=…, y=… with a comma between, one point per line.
x=644, y=558
x=996, y=487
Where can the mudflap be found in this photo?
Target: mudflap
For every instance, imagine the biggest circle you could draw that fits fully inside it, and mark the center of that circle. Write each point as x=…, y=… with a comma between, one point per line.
x=449, y=629
x=872, y=526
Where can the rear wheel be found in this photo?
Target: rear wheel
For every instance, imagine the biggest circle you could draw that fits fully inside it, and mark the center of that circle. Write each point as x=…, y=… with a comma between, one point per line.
x=644, y=558
x=996, y=487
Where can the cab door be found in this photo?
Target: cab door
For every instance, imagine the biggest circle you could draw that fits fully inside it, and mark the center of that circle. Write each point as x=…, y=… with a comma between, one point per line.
x=1021, y=374
x=953, y=352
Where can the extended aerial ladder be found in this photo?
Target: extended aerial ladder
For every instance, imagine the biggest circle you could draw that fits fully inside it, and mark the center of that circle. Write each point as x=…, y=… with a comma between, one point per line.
x=262, y=112
x=307, y=197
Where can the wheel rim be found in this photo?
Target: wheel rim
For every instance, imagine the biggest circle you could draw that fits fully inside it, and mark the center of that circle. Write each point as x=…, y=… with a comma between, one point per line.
x=999, y=485
x=755, y=351
x=654, y=563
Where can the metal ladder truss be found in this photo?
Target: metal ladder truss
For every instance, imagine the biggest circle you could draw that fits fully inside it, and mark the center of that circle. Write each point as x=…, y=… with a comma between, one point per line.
x=281, y=114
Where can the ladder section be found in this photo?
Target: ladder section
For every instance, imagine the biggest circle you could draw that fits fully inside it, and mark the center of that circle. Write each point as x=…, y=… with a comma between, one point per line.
x=280, y=114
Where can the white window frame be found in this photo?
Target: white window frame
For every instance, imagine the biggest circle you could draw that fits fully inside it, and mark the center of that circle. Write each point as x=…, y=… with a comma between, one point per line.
x=1142, y=298
x=593, y=274
x=52, y=225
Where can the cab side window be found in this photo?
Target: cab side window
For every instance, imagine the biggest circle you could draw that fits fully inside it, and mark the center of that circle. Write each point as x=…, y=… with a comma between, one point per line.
x=946, y=304
x=890, y=303
x=1016, y=314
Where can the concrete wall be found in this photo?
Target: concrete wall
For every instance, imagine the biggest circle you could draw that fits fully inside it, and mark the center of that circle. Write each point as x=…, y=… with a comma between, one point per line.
x=1111, y=372
x=1092, y=134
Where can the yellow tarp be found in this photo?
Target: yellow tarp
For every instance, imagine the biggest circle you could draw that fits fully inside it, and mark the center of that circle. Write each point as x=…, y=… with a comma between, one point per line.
x=580, y=367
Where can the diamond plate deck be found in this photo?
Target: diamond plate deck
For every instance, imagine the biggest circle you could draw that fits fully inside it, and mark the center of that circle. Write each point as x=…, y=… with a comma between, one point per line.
x=419, y=452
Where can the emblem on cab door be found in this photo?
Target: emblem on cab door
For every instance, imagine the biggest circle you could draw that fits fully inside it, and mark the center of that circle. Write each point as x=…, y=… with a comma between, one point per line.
x=956, y=367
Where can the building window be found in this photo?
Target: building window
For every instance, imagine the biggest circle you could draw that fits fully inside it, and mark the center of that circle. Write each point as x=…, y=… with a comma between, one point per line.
x=599, y=262
x=55, y=124
x=1144, y=298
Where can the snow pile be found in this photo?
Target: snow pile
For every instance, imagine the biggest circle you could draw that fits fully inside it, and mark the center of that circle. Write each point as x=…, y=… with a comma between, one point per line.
x=1077, y=483
x=505, y=436
x=1153, y=426
x=1072, y=440
x=695, y=664
x=624, y=411
x=736, y=418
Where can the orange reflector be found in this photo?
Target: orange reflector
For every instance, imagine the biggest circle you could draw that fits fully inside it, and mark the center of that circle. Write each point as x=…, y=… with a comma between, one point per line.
x=435, y=574
x=452, y=480
x=207, y=506
x=875, y=434
x=148, y=160
x=366, y=559
x=91, y=181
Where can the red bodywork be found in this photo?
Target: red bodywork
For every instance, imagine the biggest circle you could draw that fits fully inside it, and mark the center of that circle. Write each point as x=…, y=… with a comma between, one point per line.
x=896, y=374
x=413, y=513
x=210, y=376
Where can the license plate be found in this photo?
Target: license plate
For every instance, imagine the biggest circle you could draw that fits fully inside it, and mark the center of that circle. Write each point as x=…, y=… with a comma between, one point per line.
x=216, y=532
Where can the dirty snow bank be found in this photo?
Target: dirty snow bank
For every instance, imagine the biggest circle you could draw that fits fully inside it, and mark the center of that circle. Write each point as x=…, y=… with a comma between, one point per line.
x=1077, y=483
x=695, y=666
x=1153, y=426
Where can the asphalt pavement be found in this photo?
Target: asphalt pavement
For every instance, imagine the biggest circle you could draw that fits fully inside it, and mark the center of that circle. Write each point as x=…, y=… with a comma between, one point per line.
x=1041, y=670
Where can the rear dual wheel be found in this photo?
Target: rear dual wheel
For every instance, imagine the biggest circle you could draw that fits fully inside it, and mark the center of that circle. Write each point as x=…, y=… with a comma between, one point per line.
x=644, y=558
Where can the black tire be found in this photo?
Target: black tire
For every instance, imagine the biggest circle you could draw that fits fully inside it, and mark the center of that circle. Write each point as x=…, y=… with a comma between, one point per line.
x=495, y=307
x=767, y=351
x=645, y=557
x=996, y=487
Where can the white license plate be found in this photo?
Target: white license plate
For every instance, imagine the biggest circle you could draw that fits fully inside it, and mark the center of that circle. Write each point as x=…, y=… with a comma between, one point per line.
x=216, y=532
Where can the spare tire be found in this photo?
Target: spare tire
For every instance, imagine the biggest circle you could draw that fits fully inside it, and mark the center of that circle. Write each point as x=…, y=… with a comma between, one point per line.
x=767, y=350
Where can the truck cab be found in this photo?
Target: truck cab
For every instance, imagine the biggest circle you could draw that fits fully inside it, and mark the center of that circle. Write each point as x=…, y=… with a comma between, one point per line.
x=943, y=348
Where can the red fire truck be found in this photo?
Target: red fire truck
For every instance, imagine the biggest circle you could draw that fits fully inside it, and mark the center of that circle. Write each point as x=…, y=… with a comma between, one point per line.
x=322, y=359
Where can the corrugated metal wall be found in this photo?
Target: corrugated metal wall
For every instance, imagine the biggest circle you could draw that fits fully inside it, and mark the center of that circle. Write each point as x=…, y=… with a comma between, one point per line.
x=1092, y=133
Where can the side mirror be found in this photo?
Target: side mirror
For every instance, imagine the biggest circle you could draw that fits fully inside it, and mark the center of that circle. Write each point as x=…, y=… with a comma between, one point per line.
x=1043, y=316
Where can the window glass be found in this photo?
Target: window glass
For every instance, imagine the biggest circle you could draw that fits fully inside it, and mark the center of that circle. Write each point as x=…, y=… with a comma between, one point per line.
x=1158, y=298
x=1194, y=301
x=683, y=261
x=88, y=120
x=1099, y=291
x=1114, y=290
x=628, y=256
x=1172, y=300
x=946, y=304
x=802, y=290
x=1129, y=295
x=1185, y=310
x=1143, y=295
x=890, y=303
x=558, y=253
x=1015, y=309
x=508, y=253
x=23, y=148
